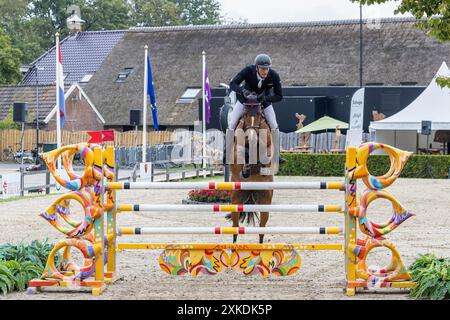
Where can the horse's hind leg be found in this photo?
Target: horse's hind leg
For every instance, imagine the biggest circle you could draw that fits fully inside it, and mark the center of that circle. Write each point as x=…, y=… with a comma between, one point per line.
x=264, y=217
x=235, y=219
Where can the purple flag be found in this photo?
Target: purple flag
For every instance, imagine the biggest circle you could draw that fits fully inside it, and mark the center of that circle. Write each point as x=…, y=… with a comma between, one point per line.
x=207, y=97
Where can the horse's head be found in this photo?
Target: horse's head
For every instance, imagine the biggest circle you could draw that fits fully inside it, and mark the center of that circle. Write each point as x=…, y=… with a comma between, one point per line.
x=252, y=113
x=254, y=128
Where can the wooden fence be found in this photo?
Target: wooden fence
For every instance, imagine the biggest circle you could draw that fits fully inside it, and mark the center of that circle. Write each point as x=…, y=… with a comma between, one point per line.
x=11, y=138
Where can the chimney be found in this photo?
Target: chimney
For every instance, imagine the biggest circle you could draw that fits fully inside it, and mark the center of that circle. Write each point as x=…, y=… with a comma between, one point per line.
x=74, y=23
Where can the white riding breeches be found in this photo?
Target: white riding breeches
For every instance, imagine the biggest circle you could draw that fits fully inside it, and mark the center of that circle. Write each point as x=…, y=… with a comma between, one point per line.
x=238, y=112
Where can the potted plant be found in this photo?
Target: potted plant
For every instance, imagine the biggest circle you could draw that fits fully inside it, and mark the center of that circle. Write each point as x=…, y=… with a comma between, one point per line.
x=208, y=196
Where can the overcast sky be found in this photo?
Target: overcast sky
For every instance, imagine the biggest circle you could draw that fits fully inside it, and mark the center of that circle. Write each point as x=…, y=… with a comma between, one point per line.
x=256, y=11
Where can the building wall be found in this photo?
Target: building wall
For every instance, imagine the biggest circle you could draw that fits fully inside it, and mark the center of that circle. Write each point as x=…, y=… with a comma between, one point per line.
x=79, y=115
x=316, y=102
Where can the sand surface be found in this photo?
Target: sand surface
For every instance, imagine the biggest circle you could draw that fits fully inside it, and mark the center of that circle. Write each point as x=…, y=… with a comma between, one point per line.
x=321, y=275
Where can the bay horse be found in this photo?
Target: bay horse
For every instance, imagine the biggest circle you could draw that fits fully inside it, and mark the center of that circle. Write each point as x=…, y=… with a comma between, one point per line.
x=252, y=133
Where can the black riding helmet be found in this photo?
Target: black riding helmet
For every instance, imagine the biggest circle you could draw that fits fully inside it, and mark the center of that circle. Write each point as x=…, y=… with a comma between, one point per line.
x=263, y=60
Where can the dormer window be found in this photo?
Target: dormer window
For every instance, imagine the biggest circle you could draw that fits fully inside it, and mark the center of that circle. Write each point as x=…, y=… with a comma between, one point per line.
x=189, y=95
x=86, y=78
x=123, y=75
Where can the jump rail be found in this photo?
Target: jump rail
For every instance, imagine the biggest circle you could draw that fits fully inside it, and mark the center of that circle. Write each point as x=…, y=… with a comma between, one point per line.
x=229, y=246
x=229, y=208
x=232, y=230
x=96, y=235
x=227, y=185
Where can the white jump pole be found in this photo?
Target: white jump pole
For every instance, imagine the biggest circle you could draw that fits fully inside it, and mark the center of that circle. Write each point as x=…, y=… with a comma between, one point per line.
x=231, y=230
x=169, y=208
x=226, y=185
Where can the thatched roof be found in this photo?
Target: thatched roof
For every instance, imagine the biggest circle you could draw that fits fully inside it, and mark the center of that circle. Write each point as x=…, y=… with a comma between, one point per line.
x=315, y=54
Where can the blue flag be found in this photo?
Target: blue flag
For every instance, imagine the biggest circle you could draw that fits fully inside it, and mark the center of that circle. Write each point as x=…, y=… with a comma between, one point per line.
x=151, y=93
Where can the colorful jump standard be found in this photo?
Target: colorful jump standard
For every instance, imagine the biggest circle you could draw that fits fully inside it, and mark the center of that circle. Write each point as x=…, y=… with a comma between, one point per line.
x=95, y=191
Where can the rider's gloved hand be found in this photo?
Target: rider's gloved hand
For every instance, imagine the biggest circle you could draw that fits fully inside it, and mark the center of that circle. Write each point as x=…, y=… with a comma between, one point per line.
x=245, y=94
x=261, y=97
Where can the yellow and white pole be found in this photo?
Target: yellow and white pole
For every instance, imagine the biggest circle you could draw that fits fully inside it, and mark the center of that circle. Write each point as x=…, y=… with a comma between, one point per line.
x=208, y=208
x=230, y=230
x=218, y=185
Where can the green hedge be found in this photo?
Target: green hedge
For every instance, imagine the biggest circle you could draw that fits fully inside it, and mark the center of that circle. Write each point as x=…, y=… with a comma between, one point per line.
x=324, y=165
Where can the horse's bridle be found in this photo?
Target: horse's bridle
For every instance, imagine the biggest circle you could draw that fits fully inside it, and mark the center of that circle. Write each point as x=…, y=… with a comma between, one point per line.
x=253, y=126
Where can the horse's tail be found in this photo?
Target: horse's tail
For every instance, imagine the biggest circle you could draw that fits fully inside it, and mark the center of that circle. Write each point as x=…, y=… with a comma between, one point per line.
x=250, y=217
x=247, y=217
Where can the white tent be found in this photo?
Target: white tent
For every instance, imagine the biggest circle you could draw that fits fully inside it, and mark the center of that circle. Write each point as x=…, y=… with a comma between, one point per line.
x=403, y=128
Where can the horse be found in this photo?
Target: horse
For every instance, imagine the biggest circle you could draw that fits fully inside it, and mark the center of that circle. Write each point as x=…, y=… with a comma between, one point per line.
x=248, y=135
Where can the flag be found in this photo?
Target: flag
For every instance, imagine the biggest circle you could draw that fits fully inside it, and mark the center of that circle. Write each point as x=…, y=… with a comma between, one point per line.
x=60, y=85
x=96, y=136
x=101, y=136
x=208, y=96
x=108, y=135
x=151, y=93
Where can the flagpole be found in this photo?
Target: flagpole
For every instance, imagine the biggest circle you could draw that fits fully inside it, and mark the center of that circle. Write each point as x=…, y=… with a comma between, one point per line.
x=144, y=111
x=58, y=113
x=204, y=116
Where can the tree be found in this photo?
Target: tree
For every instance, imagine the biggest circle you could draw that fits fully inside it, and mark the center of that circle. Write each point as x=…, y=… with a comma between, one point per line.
x=31, y=24
x=198, y=12
x=8, y=122
x=15, y=22
x=432, y=16
x=154, y=13
x=9, y=61
x=104, y=14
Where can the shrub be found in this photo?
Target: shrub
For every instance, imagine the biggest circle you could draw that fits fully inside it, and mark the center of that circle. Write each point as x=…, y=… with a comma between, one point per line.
x=332, y=165
x=21, y=263
x=432, y=276
x=210, y=196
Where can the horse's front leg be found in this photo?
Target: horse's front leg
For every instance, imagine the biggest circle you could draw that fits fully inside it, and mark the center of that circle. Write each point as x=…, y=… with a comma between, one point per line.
x=264, y=217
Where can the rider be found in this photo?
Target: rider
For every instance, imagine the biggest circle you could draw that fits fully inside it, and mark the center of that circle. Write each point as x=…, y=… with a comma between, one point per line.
x=261, y=79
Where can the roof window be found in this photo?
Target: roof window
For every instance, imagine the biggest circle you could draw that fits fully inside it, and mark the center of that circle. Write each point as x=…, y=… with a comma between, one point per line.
x=189, y=95
x=123, y=75
x=86, y=78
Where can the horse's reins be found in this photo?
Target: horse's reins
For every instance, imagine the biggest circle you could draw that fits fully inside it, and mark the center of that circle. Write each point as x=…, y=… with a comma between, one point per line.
x=262, y=119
